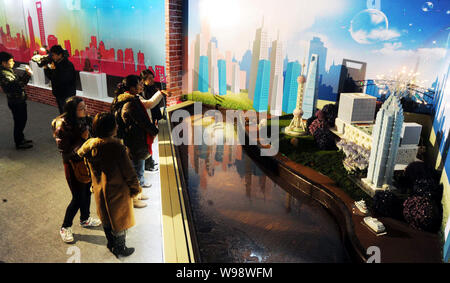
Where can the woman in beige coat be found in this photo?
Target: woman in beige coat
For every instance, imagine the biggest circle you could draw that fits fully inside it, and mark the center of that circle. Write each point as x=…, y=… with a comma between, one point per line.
x=114, y=182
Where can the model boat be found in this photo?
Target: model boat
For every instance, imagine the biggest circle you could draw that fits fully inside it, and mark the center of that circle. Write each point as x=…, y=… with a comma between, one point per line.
x=375, y=225
x=361, y=205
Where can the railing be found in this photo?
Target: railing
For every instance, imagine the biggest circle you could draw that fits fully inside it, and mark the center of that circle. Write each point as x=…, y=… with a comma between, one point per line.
x=178, y=246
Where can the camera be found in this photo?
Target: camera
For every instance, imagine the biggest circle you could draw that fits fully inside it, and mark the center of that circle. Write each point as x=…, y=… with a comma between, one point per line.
x=42, y=60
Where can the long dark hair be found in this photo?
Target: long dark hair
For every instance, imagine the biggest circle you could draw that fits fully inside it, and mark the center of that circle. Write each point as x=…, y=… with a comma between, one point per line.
x=127, y=83
x=70, y=110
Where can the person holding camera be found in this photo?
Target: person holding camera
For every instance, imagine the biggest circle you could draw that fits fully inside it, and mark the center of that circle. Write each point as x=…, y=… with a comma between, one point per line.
x=150, y=93
x=13, y=85
x=61, y=73
x=114, y=182
x=71, y=130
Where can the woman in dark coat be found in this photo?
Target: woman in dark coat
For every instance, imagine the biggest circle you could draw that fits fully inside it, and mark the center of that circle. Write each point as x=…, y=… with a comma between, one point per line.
x=135, y=125
x=114, y=182
x=70, y=131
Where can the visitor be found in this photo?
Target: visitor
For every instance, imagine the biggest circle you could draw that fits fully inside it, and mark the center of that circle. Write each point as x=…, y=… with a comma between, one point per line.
x=13, y=86
x=135, y=127
x=114, y=182
x=154, y=103
x=71, y=130
x=62, y=75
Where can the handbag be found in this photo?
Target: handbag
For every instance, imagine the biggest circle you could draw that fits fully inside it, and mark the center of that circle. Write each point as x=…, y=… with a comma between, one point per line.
x=81, y=171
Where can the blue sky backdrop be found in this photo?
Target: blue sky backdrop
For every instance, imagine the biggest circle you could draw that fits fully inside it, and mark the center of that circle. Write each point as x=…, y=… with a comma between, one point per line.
x=391, y=35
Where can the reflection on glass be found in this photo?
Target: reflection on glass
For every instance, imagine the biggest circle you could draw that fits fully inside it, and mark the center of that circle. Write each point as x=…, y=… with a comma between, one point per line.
x=241, y=215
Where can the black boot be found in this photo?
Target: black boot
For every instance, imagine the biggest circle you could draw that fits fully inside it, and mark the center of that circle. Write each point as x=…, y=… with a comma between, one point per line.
x=150, y=165
x=119, y=248
x=24, y=145
x=109, y=237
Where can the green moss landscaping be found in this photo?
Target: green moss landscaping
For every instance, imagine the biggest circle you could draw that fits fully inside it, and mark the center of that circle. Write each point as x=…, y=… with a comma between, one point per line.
x=230, y=100
x=327, y=162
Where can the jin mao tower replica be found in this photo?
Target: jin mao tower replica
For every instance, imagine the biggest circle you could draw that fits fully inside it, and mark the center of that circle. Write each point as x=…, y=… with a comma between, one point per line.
x=386, y=141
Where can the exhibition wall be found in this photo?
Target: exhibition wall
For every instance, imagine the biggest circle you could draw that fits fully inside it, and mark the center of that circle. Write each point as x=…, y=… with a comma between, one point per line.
x=254, y=50
x=251, y=48
x=440, y=139
x=116, y=37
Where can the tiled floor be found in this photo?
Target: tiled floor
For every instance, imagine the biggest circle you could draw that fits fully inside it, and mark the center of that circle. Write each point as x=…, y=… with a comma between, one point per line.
x=34, y=196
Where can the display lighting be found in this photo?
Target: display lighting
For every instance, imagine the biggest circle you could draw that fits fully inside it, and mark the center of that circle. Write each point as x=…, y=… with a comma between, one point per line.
x=405, y=83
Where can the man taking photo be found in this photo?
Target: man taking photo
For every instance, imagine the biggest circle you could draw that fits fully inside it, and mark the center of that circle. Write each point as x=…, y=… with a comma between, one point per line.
x=13, y=86
x=61, y=73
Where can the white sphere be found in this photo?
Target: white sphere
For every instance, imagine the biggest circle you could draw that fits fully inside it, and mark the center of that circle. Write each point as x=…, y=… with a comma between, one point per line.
x=298, y=112
x=301, y=80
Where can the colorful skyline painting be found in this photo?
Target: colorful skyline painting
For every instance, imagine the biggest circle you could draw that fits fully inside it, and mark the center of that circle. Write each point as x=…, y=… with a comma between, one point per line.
x=387, y=36
x=118, y=37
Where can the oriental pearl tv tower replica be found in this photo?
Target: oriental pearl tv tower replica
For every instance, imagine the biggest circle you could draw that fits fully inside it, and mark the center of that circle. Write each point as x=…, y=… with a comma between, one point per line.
x=297, y=127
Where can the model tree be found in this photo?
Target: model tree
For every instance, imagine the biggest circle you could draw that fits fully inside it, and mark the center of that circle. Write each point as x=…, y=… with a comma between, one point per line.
x=386, y=204
x=422, y=213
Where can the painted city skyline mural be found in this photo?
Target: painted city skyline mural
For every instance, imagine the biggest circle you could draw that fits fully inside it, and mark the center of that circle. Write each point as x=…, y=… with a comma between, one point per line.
x=114, y=37
x=256, y=48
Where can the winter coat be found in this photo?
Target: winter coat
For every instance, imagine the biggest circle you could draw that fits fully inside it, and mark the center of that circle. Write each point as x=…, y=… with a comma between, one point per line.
x=114, y=181
x=69, y=138
x=135, y=125
x=13, y=85
x=63, y=79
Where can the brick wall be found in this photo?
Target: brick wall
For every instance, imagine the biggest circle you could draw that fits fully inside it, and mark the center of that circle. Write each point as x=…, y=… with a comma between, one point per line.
x=95, y=106
x=41, y=95
x=45, y=96
x=175, y=49
x=175, y=55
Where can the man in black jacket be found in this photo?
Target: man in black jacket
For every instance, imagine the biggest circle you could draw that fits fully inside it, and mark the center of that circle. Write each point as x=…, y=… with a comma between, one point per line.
x=13, y=86
x=61, y=73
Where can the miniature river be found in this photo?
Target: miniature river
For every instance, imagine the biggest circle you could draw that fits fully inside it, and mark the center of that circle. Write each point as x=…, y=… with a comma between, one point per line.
x=241, y=215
